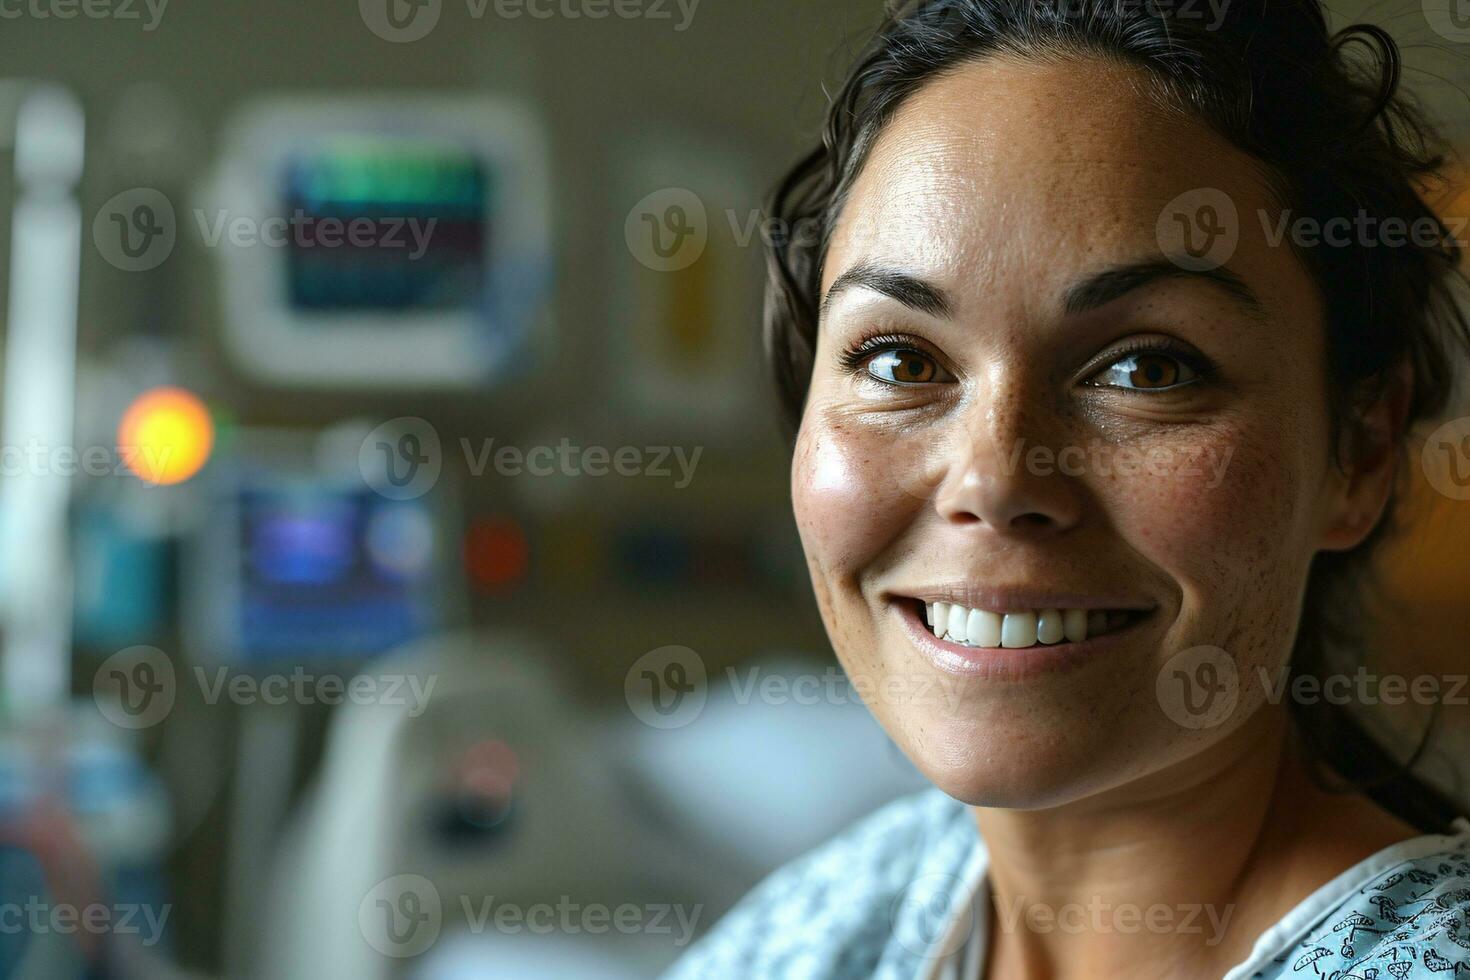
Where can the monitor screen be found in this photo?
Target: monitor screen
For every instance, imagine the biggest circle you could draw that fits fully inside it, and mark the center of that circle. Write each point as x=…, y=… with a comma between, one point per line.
x=329, y=571
x=386, y=225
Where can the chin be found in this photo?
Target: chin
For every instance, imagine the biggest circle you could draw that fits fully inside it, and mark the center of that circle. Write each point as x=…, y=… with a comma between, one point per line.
x=1011, y=773
x=1008, y=789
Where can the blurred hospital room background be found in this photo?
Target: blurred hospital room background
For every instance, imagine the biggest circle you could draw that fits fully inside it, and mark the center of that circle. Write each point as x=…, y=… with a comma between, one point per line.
x=397, y=574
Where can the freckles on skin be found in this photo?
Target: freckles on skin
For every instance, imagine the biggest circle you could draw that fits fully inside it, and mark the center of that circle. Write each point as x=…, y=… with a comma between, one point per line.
x=830, y=498
x=1236, y=542
x=829, y=490
x=965, y=190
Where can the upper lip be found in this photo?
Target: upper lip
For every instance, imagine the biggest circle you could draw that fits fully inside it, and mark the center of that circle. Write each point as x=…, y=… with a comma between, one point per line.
x=1018, y=599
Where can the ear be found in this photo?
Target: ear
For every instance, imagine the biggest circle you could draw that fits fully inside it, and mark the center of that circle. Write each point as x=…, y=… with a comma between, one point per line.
x=1359, y=492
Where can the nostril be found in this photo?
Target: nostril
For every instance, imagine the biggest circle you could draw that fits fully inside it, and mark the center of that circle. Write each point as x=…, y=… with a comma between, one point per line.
x=1009, y=505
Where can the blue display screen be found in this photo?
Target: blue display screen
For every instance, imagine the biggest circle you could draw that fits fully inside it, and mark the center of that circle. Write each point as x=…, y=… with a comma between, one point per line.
x=333, y=573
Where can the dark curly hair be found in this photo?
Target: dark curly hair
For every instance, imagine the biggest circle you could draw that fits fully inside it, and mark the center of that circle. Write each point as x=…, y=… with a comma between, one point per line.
x=1324, y=115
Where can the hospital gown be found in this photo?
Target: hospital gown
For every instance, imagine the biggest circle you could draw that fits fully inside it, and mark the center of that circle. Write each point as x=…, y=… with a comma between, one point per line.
x=894, y=898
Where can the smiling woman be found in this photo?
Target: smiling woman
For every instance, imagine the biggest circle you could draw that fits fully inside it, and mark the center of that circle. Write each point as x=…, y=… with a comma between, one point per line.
x=1058, y=270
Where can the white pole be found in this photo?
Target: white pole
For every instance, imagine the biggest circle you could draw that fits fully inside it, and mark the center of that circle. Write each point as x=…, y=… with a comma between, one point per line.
x=37, y=425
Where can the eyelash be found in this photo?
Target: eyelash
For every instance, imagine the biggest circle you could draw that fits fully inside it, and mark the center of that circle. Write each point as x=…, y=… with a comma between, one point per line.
x=855, y=357
x=861, y=352
x=1203, y=368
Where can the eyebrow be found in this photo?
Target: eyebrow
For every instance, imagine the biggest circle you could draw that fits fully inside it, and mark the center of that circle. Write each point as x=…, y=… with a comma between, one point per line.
x=1095, y=291
x=909, y=290
x=1103, y=288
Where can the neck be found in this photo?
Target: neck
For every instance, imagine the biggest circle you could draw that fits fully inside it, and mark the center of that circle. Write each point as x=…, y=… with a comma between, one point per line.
x=1181, y=870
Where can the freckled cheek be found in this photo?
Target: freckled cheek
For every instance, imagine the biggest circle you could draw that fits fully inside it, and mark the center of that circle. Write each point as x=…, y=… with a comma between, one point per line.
x=1220, y=516
x=848, y=496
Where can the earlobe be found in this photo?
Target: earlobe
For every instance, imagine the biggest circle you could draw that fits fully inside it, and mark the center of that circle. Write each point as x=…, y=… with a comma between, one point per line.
x=1372, y=464
x=1347, y=533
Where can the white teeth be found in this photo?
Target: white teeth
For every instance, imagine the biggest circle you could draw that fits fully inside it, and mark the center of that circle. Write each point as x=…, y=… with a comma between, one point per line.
x=1049, y=628
x=958, y=615
x=983, y=628
x=1017, y=630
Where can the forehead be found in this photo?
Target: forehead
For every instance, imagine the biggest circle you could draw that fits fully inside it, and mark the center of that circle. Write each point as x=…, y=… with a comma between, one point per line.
x=1038, y=166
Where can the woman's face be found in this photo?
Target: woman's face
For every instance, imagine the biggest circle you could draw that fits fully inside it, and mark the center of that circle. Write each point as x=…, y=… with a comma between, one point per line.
x=1027, y=397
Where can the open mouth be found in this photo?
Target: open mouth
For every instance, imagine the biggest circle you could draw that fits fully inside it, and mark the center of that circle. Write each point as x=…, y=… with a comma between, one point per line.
x=984, y=629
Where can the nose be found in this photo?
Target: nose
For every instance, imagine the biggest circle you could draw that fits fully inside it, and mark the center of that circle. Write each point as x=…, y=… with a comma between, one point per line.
x=996, y=478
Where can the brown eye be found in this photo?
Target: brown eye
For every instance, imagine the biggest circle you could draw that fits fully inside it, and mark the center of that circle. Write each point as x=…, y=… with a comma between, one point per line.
x=903, y=367
x=1145, y=372
x=1153, y=371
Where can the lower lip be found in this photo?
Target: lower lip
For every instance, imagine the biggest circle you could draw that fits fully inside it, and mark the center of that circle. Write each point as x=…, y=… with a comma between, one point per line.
x=1010, y=663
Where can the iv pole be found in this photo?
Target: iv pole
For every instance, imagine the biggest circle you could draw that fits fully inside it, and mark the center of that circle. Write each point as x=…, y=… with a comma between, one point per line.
x=39, y=403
